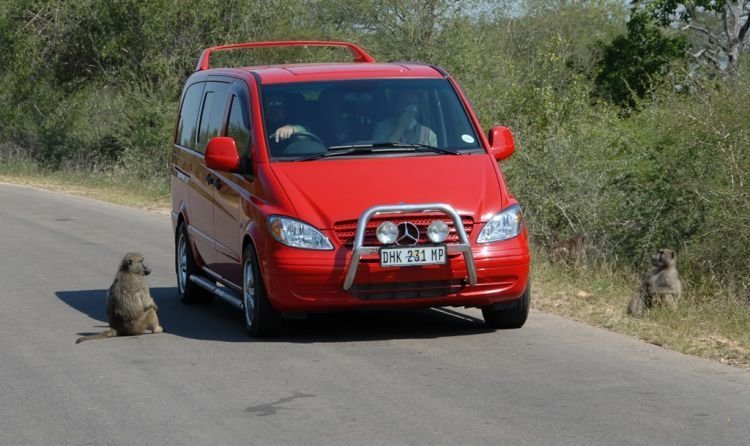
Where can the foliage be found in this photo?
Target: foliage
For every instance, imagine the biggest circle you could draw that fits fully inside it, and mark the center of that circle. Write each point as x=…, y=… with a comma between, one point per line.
x=718, y=28
x=632, y=64
x=667, y=11
x=95, y=83
x=93, y=86
x=702, y=143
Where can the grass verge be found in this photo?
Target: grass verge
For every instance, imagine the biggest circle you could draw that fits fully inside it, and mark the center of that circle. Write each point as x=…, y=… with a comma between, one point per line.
x=114, y=187
x=715, y=326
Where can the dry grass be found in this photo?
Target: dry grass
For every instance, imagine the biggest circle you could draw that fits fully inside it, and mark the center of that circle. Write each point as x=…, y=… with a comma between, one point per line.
x=106, y=186
x=715, y=327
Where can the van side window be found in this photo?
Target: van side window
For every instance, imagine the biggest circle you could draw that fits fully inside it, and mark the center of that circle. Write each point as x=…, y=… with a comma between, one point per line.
x=187, y=128
x=212, y=114
x=238, y=126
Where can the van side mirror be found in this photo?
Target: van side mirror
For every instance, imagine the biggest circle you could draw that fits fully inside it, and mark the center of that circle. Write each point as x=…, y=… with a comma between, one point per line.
x=221, y=154
x=502, y=144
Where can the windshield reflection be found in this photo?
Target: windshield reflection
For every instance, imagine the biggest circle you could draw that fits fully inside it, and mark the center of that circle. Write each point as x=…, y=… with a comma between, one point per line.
x=306, y=119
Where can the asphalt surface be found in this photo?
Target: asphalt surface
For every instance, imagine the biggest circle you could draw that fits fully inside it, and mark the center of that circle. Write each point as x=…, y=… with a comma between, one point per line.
x=378, y=378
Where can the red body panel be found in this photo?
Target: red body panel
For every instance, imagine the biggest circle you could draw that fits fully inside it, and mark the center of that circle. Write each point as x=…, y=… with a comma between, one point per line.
x=335, y=190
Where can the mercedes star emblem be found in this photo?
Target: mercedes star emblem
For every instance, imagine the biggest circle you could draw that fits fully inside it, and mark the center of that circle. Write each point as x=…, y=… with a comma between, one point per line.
x=408, y=234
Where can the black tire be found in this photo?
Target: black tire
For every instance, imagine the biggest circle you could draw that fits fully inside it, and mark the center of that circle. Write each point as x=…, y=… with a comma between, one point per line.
x=259, y=316
x=184, y=264
x=508, y=316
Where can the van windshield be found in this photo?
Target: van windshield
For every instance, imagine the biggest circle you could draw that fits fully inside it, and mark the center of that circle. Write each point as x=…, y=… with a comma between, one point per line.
x=303, y=120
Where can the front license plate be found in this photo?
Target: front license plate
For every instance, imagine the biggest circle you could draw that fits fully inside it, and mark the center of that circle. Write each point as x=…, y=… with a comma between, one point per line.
x=423, y=255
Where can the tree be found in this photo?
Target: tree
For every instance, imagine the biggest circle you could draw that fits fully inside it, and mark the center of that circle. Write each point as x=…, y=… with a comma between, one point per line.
x=395, y=29
x=633, y=63
x=720, y=27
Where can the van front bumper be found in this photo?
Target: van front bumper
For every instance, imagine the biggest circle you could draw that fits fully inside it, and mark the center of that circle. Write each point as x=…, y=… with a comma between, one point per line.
x=310, y=281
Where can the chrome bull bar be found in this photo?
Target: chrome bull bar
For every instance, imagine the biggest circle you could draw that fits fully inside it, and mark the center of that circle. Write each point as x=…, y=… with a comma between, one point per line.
x=358, y=250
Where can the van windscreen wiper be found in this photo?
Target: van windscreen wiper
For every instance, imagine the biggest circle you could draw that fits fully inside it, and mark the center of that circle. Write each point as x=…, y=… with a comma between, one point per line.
x=360, y=149
x=416, y=147
x=378, y=147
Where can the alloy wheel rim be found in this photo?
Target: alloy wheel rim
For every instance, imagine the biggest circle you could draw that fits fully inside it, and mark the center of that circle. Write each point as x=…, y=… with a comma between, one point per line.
x=181, y=263
x=248, y=291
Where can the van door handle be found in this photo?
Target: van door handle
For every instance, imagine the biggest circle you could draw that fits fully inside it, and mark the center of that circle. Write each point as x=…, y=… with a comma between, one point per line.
x=182, y=176
x=213, y=181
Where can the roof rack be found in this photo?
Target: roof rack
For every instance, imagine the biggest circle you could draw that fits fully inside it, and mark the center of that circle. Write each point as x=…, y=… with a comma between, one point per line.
x=358, y=53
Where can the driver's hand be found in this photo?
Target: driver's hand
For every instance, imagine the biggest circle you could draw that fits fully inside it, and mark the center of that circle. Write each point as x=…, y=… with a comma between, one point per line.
x=284, y=132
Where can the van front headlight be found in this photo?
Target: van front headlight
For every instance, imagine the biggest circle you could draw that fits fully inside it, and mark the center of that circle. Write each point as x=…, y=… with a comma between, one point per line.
x=297, y=234
x=507, y=224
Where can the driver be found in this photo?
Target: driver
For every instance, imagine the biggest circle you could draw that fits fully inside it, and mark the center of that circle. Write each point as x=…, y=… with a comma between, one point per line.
x=276, y=116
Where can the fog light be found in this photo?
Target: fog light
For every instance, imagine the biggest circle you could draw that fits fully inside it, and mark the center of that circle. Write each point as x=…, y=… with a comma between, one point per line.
x=387, y=232
x=437, y=231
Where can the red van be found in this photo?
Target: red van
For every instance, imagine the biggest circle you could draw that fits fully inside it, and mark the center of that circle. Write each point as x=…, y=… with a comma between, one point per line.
x=327, y=186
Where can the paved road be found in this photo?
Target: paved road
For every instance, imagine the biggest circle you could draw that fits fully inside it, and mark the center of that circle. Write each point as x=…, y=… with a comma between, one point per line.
x=404, y=378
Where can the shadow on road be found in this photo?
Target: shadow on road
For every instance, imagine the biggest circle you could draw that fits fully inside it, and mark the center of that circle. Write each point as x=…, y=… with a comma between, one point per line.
x=220, y=322
x=212, y=322
x=374, y=325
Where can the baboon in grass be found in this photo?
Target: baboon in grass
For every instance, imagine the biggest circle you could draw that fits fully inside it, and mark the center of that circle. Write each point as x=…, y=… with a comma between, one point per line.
x=568, y=249
x=130, y=308
x=661, y=285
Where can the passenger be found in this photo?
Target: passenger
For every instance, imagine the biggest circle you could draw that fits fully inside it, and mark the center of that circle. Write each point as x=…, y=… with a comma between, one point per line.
x=405, y=127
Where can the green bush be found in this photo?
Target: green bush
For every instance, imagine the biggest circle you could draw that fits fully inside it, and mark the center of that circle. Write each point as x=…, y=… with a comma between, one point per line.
x=700, y=147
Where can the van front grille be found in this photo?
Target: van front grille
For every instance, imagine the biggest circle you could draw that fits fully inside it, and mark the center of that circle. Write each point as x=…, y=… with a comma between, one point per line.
x=347, y=230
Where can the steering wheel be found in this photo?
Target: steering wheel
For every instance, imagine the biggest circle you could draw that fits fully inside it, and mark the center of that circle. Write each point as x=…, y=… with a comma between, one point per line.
x=298, y=135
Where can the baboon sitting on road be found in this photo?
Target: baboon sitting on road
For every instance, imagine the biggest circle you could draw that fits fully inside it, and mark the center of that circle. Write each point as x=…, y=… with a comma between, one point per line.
x=130, y=308
x=661, y=285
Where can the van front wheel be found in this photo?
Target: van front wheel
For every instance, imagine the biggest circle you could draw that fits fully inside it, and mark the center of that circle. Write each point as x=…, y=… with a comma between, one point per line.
x=261, y=319
x=506, y=317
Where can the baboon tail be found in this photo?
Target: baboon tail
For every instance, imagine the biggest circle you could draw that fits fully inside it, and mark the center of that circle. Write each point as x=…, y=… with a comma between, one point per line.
x=636, y=307
x=105, y=334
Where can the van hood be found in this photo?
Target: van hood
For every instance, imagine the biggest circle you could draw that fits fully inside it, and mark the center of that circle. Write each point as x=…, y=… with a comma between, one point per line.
x=324, y=192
